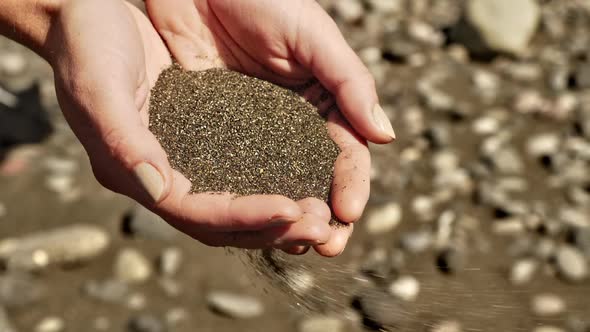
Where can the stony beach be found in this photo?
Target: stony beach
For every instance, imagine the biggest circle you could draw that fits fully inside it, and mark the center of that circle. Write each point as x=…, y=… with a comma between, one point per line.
x=479, y=216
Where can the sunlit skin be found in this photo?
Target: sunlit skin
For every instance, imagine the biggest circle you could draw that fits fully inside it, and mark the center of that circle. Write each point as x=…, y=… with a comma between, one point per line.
x=107, y=55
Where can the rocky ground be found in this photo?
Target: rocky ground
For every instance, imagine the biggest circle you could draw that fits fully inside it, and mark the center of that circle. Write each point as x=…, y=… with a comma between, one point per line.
x=478, y=219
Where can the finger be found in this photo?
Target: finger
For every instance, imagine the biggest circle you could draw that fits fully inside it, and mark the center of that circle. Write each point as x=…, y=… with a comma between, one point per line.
x=351, y=183
x=297, y=250
x=335, y=246
x=341, y=71
x=210, y=212
x=307, y=231
x=315, y=207
x=103, y=106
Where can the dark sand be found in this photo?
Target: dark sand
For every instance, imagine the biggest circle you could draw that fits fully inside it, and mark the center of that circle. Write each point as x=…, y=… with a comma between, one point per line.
x=228, y=132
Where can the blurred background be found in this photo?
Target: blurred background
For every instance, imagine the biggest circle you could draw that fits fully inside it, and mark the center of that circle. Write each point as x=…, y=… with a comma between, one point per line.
x=478, y=219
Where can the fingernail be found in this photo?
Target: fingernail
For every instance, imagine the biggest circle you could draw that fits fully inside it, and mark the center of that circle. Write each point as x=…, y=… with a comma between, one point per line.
x=151, y=179
x=382, y=121
x=281, y=221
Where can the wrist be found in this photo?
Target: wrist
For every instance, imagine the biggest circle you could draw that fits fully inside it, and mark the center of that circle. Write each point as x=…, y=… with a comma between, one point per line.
x=29, y=22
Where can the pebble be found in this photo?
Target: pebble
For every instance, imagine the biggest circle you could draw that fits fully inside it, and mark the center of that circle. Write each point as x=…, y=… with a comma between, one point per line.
x=235, y=305
x=349, y=10
x=546, y=305
x=571, y=264
x=447, y=326
x=110, y=290
x=383, y=219
x=504, y=25
x=176, y=316
x=543, y=145
x=170, y=261
x=530, y=102
x=507, y=161
x=5, y=323
x=416, y=242
x=143, y=223
x=451, y=260
x=321, y=324
x=381, y=308
x=405, y=288
x=50, y=324
x=68, y=245
x=12, y=63
x=171, y=287
x=424, y=207
x=547, y=328
x=19, y=290
x=523, y=271
x=486, y=125
x=132, y=266
x=386, y=6
x=145, y=323
x=300, y=281
x=136, y=301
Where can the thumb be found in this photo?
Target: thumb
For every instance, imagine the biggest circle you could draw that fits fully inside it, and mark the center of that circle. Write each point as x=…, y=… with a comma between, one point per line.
x=319, y=45
x=125, y=156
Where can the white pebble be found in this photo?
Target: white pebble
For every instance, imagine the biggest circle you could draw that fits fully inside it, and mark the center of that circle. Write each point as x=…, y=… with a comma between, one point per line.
x=12, y=63
x=383, y=219
x=486, y=125
x=544, y=144
x=132, y=266
x=447, y=326
x=50, y=324
x=405, y=288
x=548, y=329
x=523, y=271
x=321, y=324
x=544, y=305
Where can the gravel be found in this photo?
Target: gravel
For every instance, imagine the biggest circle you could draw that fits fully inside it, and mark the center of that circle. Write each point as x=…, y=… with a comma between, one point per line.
x=132, y=266
x=235, y=305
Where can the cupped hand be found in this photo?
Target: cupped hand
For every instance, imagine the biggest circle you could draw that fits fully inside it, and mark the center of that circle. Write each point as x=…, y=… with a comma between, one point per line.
x=107, y=55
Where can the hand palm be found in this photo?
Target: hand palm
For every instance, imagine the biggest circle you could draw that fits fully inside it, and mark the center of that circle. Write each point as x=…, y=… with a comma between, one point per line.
x=193, y=33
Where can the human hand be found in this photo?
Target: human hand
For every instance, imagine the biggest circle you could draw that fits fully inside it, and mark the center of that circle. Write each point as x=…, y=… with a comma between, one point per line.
x=106, y=56
x=288, y=42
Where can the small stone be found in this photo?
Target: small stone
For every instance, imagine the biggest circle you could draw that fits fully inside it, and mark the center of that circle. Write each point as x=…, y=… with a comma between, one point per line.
x=50, y=324
x=143, y=223
x=450, y=260
x=522, y=271
x=425, y=33
x=109, y=290
x=18, y=290
x=507, y=161
x=386, y=6
x=543, y=145
x=445, y=161
x=145, y=323
x=74, y=244
x=171, y=287
x=424, y=207
x=300, y=281
x=486, y=125
x=170, y=261
x=405, y=288
x=383, y=219
x=447, y=326
x=12, y=63
x=381, y=308
x=59, y=183
x=321, y=324
x=509, y=227
x=545, y=305
x=547, y=328
x=235, y=305
x=131, y=266
x=504, y=25
x=571, y=264
x=176, y=316
x=531, y=102
x=5, y=323
x=136, y=301
x=416, y=242
x=102, y=324
x=349, y=10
